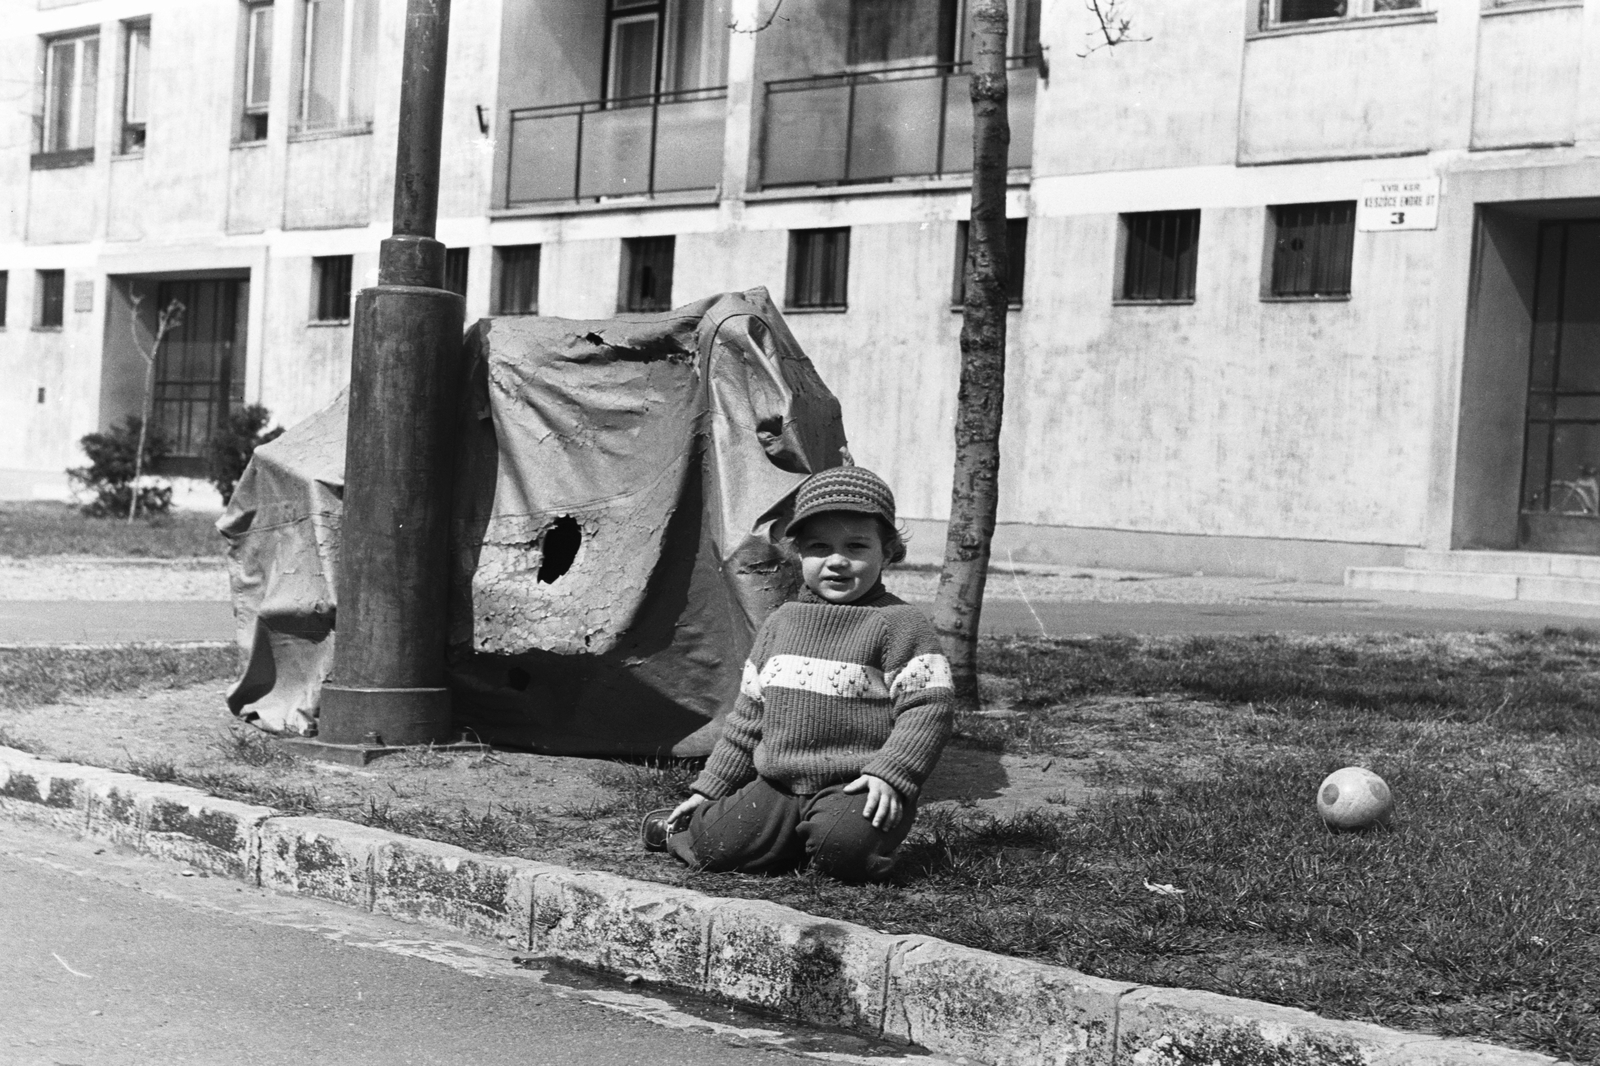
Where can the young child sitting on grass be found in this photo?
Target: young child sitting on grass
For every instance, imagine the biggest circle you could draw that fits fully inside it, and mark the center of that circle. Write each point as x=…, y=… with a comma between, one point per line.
x=845, y=692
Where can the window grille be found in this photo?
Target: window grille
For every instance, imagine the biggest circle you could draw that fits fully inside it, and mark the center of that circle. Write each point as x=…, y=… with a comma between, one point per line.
x=257, y=71
x=819, y=267
x=135, y=85
x=5, y=284
x=72, y=68
x=336, y=64
x=646, y=274
x=333, y=287
x=52, y=298
x=1016, y=261
x=519, y=280
x=1160, y=252
x=1312, y=248
x=455, y=270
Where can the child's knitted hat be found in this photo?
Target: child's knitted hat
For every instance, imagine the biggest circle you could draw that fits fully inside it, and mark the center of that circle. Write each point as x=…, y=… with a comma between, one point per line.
x=843, y=488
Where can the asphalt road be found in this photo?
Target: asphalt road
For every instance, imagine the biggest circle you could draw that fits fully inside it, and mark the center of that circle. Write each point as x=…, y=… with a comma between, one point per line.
x=110, y=959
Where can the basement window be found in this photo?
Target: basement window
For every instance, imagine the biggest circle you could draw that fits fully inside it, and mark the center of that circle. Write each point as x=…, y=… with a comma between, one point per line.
x=819, y=268
x=1312, y=249
x=50, y=310
x=1160, y=253
x=332, y=287
x=646, y=274
x=1016, y=263
x=517, y=292
x=455, y=270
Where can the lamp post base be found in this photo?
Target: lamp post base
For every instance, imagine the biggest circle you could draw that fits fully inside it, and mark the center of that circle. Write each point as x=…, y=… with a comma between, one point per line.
x=372, y=716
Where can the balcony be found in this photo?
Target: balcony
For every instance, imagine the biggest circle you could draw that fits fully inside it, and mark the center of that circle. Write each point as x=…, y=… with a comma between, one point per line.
x=638, y=146
x=837, y=129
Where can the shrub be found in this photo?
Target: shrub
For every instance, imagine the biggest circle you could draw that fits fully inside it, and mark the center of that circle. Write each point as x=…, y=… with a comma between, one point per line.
x=234, y=443
x=109, y=474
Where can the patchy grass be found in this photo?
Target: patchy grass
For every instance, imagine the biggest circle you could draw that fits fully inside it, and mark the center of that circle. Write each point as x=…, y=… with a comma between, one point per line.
x=250, y=747
x=1477, y=914
x=505, y=831
x=33, y=676
x=35, y=528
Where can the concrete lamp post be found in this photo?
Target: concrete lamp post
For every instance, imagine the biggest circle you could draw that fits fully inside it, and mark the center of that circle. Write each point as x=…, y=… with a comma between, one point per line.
x=387, y=688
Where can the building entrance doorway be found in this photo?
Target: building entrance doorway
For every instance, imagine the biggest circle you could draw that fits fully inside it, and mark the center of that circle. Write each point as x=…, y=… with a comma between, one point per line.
x=200, y=370
x=1561, y=453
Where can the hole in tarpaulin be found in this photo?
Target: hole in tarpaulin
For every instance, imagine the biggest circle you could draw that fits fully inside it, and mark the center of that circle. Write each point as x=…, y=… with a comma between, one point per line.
x=559, y=549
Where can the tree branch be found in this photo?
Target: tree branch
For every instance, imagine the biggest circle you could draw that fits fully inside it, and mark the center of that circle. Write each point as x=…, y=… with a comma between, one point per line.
x=734, y=26
x=1112, y=27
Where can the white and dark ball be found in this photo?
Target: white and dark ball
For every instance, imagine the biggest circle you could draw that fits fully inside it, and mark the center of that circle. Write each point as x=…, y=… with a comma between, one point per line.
x=1354, y=798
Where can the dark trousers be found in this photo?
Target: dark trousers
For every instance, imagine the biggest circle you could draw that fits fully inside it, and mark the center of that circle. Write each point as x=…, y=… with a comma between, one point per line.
x=763, y=829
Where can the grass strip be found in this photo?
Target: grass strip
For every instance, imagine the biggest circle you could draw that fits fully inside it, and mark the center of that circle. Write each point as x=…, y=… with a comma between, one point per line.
x=34, y=528
x=38, y=675
x=1476, y=915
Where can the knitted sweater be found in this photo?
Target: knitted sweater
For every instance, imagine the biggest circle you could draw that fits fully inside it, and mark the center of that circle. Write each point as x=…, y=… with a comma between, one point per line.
x=834, y=691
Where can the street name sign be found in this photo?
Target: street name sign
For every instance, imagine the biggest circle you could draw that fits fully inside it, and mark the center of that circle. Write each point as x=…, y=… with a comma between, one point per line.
x=1406, y=204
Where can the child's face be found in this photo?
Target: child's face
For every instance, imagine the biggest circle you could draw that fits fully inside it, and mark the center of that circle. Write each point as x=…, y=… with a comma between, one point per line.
x=841, y=555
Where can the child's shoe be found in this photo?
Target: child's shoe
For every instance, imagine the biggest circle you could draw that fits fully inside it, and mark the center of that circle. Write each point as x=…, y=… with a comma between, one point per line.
x=655, y=829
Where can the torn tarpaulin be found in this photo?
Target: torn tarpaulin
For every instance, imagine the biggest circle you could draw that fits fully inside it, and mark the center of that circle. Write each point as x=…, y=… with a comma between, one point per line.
x=618, y=488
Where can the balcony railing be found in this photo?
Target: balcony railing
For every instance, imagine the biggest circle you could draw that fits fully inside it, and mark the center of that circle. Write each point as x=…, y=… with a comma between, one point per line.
x=636, y=146
x=835, y=129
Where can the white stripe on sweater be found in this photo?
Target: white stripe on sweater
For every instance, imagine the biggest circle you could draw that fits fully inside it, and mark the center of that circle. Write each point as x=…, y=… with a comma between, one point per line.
x=829, y=677
x=750, y=682
x=920, y=674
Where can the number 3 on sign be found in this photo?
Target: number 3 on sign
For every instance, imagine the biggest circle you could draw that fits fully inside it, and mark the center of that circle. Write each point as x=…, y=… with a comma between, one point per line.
x=1397, y=218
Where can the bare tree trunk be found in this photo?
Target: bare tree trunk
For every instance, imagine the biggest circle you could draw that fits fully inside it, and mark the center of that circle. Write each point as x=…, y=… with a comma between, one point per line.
x=974, y=493
x=167, y=319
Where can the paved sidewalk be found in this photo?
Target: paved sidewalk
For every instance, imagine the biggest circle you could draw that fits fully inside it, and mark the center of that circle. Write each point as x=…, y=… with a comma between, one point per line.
x=1314, y=609
x=1395, y=613
x=114, y=621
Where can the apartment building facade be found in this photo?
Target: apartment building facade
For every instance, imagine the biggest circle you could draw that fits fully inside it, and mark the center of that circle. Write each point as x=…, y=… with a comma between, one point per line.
x=1297, y=284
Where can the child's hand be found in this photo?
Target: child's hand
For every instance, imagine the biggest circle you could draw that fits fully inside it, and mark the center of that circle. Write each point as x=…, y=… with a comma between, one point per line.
x=884, y=806
x=682, y=811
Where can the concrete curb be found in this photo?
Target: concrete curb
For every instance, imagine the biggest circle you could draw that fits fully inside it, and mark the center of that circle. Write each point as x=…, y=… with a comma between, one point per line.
x=911, y=989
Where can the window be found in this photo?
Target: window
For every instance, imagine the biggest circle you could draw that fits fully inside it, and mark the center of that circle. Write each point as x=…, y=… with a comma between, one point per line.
x=257, y=71
x=518, y=292
x=1158, y=256
x=654, y=45
x=697, y=44
x=71, y=73
x=1016, y=262
x=333, y=287
x=646, y=274
x=52, y=299
x=336, y=64
x=633, y=29
x=1312, y=245
x=819, y=268
x=1290, y=12
x=455, y=270
x=5, y=280
x=899, y=33
x=135, y=85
